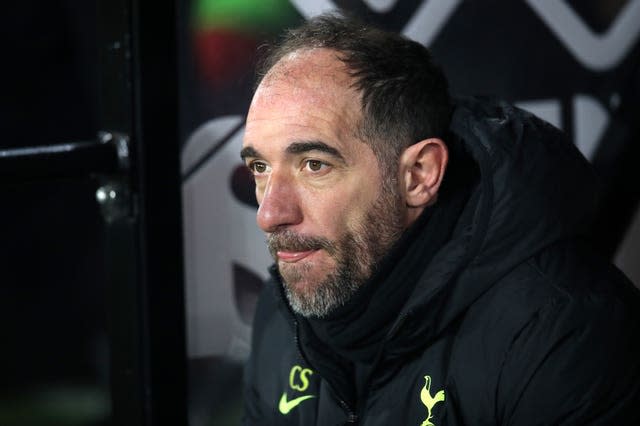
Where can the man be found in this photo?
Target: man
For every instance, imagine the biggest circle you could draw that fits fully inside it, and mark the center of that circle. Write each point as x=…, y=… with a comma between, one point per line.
x=429, y=268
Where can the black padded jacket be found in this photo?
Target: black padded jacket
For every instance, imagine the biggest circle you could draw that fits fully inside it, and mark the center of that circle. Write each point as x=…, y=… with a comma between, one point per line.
x=511, y=321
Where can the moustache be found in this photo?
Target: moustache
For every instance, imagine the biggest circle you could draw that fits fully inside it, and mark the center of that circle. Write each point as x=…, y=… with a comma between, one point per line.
x=291, y=241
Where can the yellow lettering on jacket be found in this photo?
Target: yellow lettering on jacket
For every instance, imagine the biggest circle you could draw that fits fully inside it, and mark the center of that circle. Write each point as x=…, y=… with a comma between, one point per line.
x=298, y=378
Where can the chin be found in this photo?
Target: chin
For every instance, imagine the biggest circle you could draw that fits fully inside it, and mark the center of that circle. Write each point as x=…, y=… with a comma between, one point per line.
x=300, y=280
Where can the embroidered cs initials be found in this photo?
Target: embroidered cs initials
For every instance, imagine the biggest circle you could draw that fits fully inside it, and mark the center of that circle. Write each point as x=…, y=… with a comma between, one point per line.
x=430, y=401
x=298, y=381
x=298, y=378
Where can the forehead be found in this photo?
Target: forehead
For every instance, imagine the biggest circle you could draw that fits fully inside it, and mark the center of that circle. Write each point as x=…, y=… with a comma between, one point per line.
x=310, y=70
x=306, y=92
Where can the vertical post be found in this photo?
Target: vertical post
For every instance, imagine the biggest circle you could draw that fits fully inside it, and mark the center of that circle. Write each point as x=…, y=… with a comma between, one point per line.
x=156, y=129
x=139, y=98
x=128, y=379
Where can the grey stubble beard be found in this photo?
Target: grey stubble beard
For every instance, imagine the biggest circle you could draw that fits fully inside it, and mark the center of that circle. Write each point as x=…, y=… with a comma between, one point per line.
x=356, y=254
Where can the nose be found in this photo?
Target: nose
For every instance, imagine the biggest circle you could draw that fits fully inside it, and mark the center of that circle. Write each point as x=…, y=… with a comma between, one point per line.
x=279, y=205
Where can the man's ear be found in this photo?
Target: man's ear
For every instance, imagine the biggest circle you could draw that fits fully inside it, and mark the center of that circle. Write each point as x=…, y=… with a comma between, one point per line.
x=422, y=168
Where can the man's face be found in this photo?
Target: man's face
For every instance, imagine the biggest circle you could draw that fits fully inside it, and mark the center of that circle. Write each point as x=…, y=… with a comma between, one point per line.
x=327, y=213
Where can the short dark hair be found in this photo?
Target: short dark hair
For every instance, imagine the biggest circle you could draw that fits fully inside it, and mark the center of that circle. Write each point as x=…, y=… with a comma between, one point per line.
x=405, y=95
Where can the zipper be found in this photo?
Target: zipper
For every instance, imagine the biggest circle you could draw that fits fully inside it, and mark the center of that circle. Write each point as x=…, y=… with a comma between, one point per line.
x=352, y=416
x=352, y=419
x=296, y=340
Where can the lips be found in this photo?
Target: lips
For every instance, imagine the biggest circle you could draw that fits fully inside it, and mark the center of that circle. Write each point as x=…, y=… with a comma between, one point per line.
x=293, y=256
x=289, y=247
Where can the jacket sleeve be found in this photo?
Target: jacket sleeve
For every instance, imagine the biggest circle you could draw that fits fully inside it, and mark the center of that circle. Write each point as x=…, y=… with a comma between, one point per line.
x=575, y=363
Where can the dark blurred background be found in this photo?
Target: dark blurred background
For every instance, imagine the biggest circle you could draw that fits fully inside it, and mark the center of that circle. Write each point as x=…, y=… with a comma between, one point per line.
x=53, y=345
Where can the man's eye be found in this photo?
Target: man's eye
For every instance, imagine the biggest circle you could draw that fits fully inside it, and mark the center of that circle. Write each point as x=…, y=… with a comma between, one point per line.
x=315, y=165
x=258, y=167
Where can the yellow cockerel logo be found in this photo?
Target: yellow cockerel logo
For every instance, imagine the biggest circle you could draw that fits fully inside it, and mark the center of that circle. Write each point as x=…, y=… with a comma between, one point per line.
x=429, y=401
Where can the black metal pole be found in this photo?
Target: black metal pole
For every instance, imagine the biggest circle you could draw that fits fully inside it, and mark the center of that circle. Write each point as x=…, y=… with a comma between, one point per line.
x=147, y=321
x=156, y=129
x=108, y=155
x=129, y=383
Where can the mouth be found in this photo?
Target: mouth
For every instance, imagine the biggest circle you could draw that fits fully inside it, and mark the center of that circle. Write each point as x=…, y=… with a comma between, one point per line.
x=294, y=256
x=289, y=247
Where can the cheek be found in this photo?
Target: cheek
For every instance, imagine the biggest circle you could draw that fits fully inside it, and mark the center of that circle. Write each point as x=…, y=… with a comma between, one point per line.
x=334, y=213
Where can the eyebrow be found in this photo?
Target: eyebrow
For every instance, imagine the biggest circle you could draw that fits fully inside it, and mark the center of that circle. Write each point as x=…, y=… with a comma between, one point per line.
x=301, y=147
x=296, y=148
x=249, y=151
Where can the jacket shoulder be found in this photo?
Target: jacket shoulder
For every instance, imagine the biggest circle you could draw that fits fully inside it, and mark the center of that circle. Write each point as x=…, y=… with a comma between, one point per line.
x=557, y=335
